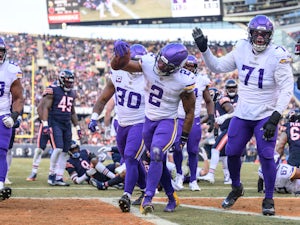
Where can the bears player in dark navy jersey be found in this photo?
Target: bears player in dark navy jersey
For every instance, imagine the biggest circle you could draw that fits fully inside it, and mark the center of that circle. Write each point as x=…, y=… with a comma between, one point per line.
x=57, y=113
x=84, y=166
x=223, y=112
x=291, y=135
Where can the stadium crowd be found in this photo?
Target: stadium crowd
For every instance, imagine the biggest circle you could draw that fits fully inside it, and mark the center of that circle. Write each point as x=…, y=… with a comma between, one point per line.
x=90, y=59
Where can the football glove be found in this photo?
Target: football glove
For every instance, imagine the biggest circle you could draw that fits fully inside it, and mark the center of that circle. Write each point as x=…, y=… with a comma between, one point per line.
x=17, y=122
x=183, y=139
x=93, y=126
x=200, y=39
x=270, y=126
x=221, y=119
x=8, y=121
x=121, y=48
x=210, y=122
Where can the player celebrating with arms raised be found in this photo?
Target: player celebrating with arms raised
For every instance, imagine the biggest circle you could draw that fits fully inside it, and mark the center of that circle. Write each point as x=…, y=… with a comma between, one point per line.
x=265, y=89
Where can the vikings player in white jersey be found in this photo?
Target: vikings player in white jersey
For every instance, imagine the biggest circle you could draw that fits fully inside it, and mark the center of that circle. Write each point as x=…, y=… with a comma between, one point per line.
x=201, y=92
x=11, y=105
x=287, y=178
x=128, y=90
x=166, y=83
x=265, y=89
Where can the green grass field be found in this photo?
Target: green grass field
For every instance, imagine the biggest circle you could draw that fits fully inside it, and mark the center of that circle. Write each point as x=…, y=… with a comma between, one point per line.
x=21, y=168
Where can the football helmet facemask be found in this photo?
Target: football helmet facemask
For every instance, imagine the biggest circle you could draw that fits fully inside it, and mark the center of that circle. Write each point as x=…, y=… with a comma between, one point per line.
x=294, y=115
x=214, y=93
x=74, y=150
x=191, y=64
x=170, y=59
x=260, y=32
x=66, y=80
x=231, y=88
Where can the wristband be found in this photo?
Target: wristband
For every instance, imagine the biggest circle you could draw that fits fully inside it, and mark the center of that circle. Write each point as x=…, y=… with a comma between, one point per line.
x=45, y=123
x=14, y=115
x=184, y=135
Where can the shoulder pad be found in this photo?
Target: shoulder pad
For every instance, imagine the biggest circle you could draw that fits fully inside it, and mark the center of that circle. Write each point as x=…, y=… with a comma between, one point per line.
x=48, y=91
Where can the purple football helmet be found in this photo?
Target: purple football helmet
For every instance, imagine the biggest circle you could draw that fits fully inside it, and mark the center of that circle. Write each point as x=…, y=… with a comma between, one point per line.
x=170, y=59
x=191, y=64
x=2, y=51
x=137, y=51
x=260, y=32
x=66, y=80
x=231, y=88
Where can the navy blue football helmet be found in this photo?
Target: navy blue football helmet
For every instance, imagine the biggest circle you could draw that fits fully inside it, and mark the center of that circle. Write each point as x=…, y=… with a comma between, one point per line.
x=294, y=115
x=137, y=51
x=231, y=88
x=170, y=59
x=214, y=93
x=2, y=50
x=191, y=64
x=260, y=32
x=74, y=150
x=66, y=80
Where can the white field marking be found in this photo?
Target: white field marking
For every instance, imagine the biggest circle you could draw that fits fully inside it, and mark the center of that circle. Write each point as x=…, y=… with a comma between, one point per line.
x=234, y=211
x=156, y=220
x=81, y=187
x=135, y=211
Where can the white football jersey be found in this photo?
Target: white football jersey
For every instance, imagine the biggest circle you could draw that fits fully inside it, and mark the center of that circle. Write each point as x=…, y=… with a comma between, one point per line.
x=202, y=82
x=9, y=72
x=265, y=80
x=162, y=93
x=129, y=97
x=283, y=179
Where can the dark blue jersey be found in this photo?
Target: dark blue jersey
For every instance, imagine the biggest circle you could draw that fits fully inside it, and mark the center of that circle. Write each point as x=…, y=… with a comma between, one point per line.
x=62, y=103
x=79, y=165
x=293, y=137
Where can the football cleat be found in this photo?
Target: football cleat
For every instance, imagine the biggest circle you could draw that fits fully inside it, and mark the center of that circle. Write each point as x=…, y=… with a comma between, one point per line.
x=146, y=206
x=172, y=203
x=98, y=184
x=210, y=177
x=268, y=207
x=32, y=177
x=178, y=182
x=139, y=200
x=194, y=186
x=51, y=179
x=233, y=196
x=227, y=180
x=124, y=203
x=61, y=182
x=5, y=193
x=7, y=181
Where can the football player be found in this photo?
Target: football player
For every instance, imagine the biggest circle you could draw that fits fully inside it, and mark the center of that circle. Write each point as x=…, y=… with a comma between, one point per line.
x=128, y=90
x=11, y=106
x=265, y=90
x=56, y=111
x=166, y=83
